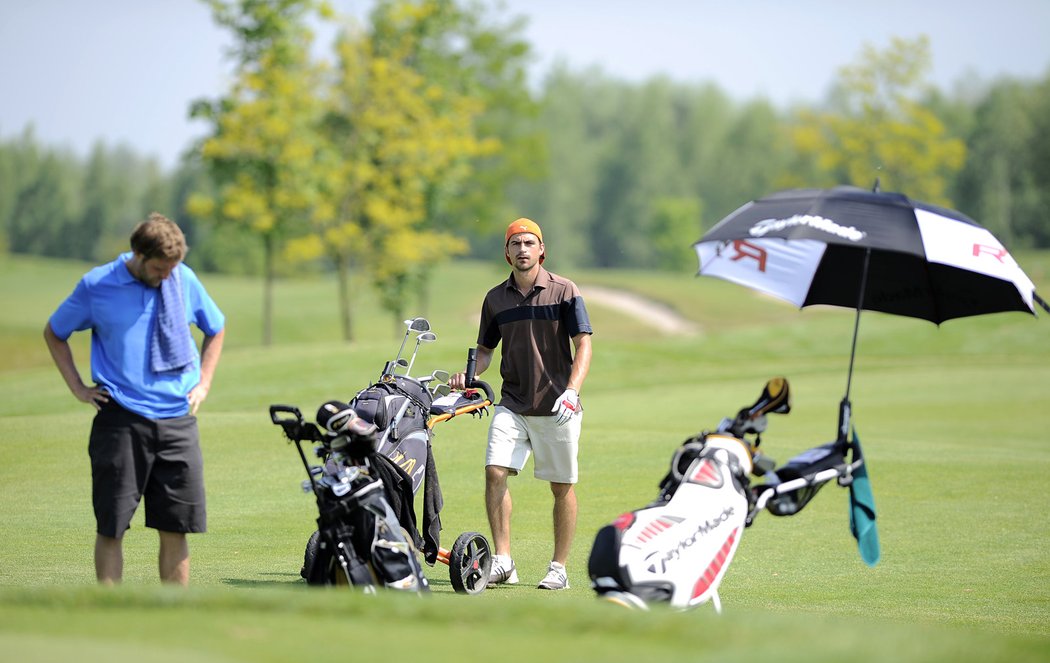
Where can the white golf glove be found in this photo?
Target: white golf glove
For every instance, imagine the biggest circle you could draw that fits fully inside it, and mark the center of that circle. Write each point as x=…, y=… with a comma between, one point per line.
x=566, y=406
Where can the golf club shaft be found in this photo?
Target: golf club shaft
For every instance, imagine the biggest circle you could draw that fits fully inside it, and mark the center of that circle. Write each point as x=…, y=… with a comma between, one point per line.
x=408, y=371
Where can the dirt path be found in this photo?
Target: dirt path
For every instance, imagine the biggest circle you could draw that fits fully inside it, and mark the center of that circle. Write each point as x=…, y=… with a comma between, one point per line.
x=659, y=316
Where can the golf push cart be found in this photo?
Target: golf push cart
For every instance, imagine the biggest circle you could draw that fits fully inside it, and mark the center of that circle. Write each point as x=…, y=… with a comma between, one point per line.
x=375, y=453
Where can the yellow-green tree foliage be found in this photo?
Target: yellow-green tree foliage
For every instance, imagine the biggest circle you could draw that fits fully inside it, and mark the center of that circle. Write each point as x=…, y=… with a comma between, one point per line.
x=264, y=149
x=879, y=129
x=390, y=134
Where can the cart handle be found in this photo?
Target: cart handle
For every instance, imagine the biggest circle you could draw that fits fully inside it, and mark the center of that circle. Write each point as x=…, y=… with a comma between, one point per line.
x=471, y=381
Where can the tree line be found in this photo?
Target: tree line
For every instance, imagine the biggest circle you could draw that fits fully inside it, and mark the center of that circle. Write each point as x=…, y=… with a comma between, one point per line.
x=418, y=137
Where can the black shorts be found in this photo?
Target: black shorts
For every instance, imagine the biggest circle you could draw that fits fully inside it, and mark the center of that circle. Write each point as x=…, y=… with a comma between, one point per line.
x=134, y=457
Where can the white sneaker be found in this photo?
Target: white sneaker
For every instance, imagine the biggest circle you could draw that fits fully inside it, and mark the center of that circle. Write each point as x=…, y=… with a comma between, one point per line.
x=503, y=571
x=556, y=578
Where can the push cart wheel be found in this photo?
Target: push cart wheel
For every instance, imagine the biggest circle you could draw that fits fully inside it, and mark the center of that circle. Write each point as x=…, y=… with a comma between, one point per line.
x=314, y=571
x=469, y=563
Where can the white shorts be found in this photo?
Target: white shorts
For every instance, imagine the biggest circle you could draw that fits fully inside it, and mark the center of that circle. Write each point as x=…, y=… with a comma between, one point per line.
x=514, y=437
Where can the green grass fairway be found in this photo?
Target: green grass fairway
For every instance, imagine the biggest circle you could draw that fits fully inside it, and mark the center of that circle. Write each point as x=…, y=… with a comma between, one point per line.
x=954, y=423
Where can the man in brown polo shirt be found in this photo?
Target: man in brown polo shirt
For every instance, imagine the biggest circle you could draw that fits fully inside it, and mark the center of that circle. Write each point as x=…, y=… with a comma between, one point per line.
x=541, y=318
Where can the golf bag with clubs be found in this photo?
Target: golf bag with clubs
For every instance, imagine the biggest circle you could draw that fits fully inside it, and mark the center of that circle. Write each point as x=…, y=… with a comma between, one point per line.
x=359, y=540
x=400, y=411
x=677, y=549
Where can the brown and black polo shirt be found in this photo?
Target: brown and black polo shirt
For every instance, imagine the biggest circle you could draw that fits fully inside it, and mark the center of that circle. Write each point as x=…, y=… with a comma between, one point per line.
x=536, y=330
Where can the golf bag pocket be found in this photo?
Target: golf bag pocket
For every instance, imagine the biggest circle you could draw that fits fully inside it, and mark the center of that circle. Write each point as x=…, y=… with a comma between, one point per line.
x=399, y=409
x=361, y=541
x=376, y=405
x=410, y=454
x=393, y=556
x=607, y=575
x=396, y=408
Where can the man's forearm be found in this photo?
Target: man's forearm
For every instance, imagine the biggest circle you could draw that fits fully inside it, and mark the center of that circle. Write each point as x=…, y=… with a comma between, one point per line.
x=211, y=350
x=63, y=358
x=581, y=362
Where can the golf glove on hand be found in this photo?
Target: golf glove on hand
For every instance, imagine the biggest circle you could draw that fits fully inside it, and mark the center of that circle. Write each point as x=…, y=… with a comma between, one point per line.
x=566, y=406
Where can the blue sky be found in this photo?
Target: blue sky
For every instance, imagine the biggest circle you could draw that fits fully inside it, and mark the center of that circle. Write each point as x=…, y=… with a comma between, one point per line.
x=125, y=71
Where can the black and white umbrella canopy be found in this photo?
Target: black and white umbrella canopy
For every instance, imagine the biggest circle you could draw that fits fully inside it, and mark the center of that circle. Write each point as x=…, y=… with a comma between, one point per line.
x=822, y=246
x=866, y=250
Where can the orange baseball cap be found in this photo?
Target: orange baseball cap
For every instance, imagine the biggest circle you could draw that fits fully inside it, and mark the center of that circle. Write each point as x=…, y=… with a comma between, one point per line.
x=524, y=225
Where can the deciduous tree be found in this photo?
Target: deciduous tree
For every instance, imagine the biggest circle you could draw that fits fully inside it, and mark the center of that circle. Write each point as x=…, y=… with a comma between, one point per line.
x=394, y=137
x=877, y=127
x=264, y=150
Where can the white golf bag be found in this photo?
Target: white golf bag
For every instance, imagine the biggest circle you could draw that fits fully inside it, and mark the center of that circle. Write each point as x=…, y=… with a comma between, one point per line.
x=677, y=549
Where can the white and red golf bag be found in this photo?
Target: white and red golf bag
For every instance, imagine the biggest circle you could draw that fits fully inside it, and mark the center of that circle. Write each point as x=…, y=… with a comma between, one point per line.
x=678, y=548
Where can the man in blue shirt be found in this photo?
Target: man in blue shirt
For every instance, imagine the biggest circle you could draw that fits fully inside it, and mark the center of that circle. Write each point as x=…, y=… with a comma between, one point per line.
x=148, y=382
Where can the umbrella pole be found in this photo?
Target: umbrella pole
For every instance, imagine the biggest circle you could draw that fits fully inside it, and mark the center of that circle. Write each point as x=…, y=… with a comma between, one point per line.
x=844, y=406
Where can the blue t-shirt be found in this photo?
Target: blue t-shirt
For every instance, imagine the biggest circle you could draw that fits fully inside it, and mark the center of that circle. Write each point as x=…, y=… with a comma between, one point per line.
x=120, y=311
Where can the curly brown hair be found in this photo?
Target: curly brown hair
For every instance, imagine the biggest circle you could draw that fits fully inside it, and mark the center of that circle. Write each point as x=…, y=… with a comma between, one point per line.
x=159, y=237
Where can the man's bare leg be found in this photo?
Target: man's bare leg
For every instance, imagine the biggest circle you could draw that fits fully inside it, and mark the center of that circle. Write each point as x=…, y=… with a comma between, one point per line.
x=109, y=560
x=498, y=506
x=174, y=558
x=564, y=520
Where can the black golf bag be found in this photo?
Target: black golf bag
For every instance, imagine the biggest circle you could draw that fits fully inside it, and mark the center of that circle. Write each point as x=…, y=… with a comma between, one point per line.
x=399, y=407
x=399, y=413
x=359, y=539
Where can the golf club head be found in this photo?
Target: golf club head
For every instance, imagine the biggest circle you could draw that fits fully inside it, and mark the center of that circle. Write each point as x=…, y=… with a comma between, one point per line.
x=392, y=366
x=776, y=398
x=440, y=375
x=335, y=416
x=437, y=377
x=417, y=325
x=441, y=390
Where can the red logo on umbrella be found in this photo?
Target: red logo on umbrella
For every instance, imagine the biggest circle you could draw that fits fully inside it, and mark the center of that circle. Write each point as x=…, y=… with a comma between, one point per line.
x=745, y=249
x=996, y=252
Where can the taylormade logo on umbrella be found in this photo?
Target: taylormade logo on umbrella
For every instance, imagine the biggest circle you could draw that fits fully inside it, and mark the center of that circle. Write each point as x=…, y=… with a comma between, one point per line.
x=766, y=226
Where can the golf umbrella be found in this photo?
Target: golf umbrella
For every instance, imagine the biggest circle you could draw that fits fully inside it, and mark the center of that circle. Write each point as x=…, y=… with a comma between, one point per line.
x=870, y=250
x=866, y=250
